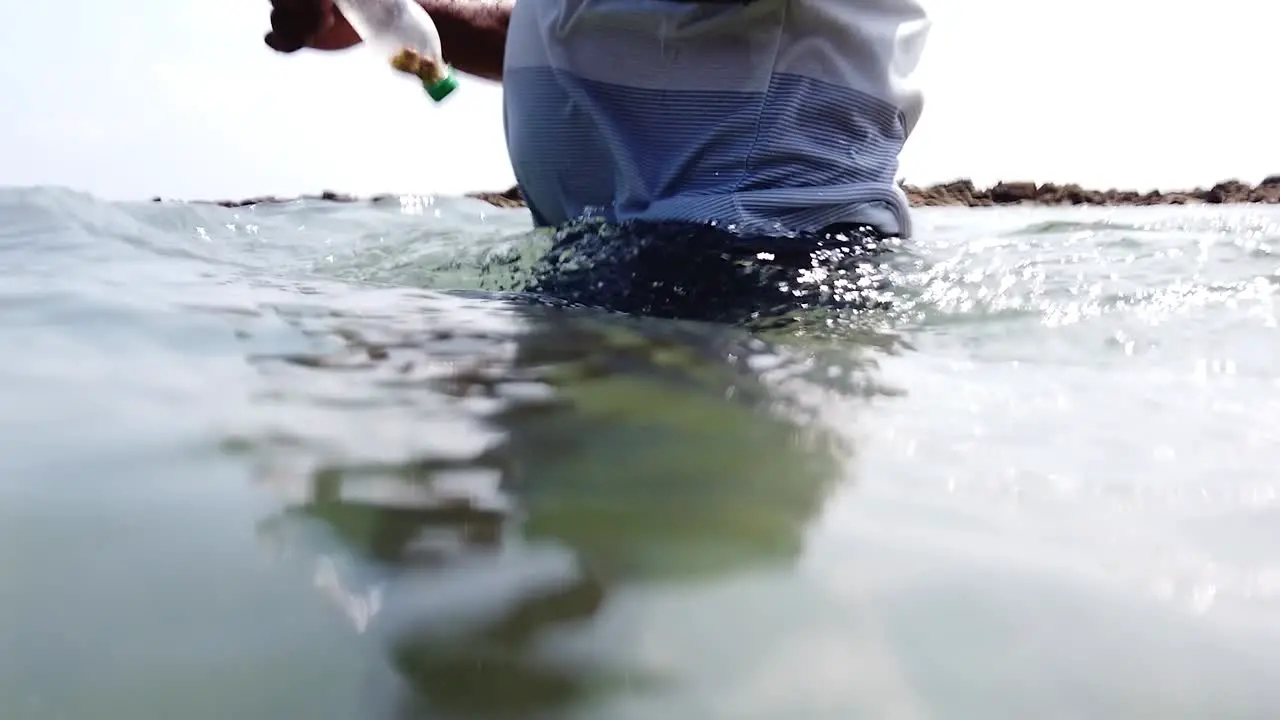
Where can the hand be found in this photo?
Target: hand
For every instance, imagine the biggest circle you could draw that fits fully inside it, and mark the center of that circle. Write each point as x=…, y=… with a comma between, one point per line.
x=317, y=24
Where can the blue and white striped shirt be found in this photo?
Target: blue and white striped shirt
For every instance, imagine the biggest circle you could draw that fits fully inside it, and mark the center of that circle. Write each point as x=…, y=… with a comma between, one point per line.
x=773, y=115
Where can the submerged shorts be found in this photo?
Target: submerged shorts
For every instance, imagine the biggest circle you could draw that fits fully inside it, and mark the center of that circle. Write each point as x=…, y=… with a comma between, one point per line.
x=705, y=272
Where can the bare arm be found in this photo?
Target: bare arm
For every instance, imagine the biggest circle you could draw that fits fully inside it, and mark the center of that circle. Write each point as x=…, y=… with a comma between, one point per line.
x=473, y=33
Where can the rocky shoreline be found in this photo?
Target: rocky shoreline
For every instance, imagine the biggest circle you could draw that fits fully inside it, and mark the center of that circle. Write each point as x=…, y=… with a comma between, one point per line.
x=957, y=193
x=965, y=194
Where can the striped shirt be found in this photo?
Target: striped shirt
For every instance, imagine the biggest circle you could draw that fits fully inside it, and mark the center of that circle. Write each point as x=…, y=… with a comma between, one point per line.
x=773, y=116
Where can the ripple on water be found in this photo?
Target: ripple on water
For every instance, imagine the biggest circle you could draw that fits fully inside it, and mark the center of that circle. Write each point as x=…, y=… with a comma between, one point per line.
x=1065, y=420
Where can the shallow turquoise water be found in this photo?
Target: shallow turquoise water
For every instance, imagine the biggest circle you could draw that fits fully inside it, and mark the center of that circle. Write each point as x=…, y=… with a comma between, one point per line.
x=258, y=463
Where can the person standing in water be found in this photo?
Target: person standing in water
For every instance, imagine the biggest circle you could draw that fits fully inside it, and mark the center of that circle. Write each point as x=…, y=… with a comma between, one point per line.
x=756, y=128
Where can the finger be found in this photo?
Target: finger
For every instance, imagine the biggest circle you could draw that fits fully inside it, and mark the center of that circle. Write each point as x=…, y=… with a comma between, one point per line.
x=302, y=22
x=296, y=23
x=293, y=6
x=283, y=43
x=290, y=29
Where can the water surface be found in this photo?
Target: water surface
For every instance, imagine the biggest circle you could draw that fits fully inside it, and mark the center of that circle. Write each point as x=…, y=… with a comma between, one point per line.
x=312, y=461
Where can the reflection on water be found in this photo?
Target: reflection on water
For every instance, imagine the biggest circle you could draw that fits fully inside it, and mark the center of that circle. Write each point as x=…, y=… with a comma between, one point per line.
x=626, y=453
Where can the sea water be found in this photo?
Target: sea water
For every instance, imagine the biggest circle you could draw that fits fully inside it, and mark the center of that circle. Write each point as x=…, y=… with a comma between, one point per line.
x=315, y=460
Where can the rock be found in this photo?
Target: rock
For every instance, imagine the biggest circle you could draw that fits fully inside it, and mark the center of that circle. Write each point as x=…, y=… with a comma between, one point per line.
x=1231, y=191
x=956, y=193
x=508, y=199
x=1266, y=193
x=1004, y=193
x=964, y=193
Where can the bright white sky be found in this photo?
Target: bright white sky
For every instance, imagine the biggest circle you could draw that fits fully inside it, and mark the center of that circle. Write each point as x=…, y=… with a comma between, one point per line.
x=180, y=98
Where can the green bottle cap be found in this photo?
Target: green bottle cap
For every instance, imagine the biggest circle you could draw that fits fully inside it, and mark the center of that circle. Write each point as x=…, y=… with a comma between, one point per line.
x=440, y=89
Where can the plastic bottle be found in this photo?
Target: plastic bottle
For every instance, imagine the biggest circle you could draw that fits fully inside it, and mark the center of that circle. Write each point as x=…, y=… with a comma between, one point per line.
x=403, y=32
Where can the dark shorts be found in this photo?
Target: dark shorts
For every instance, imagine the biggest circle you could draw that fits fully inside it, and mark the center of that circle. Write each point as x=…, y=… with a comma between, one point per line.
x=703, y=272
